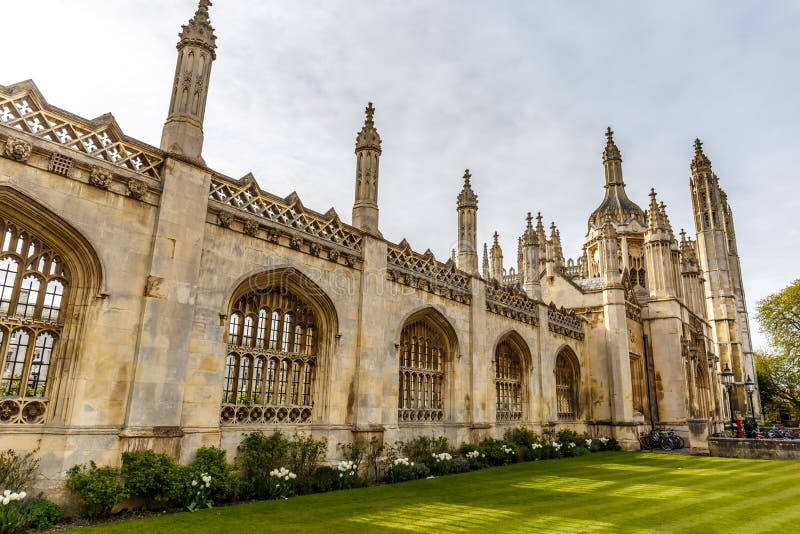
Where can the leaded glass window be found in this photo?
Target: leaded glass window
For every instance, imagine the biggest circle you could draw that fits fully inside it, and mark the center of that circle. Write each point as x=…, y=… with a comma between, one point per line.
x=33, y=282
x=508, y=383
x=423, y=354
x=272, y=355
x=567, y=380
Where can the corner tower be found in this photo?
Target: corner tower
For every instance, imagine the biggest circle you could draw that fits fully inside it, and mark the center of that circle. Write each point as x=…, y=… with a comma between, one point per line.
x=183, y=131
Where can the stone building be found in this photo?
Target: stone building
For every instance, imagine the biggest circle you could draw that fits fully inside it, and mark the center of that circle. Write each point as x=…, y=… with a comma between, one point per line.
x=149, y=301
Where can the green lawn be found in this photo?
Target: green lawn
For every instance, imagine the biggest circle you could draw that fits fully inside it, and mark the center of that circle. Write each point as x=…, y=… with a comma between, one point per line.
x=612, y=491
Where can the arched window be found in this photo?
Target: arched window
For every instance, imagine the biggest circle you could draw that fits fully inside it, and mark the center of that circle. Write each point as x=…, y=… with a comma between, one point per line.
x=32, y=286
x=271, y=360
x=423, y=354
x=567, y=381
x=508, y=382
x=703, y=393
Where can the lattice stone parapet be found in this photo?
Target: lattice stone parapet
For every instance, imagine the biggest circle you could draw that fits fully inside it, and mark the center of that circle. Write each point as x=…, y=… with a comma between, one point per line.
x=256, y=414
x=632, y=311
x=23, y=108
x=564, y=322
x=23, y=411
x=423, y=271
x=512, y=303
x=245, y=196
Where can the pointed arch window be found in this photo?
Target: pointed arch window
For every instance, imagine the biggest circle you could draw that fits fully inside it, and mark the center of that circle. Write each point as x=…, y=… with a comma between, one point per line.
x=33, y=285
x=272, y=356
x=423, y=353
x=508, y=382
x=567, y=380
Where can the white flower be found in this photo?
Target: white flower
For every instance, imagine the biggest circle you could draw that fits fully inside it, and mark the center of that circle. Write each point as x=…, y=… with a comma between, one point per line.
x=6, y=493
x=473, y=454
x=22, y=495
x=6, y=500
x=603, y=440
x=208, y=484
x=194, y=482
x=571, y=444
x=588, y=442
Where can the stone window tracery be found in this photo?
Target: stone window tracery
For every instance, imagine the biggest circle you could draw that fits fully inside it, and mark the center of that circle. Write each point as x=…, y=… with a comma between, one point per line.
x=32, y=286
x=423, y=355
x=567, y=381
x=508, y=383
x=271, y=360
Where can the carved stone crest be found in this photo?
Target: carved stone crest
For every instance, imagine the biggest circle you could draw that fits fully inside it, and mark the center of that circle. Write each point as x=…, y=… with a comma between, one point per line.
x=100, y=178
x=225, y=219
x=295, y=242
x=273, y=236
x=18, y=149
x=137, y=188
x=250, y=227
x=315, y=249
x=333, y=255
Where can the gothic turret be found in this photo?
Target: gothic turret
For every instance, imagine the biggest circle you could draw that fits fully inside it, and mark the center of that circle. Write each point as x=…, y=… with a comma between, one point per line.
x=609, y=254
x=530, y=261
x=555, y=240
x=660, y=252
x=496, y=254
x=183, y=131
x=615, y=202
x=487, y=273
x=467, y=207
x=368, y=154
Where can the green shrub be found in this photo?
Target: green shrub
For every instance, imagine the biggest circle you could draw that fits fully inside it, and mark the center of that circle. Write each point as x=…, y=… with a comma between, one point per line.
x=98, y=488
x=17, y=471
x=41, y=514
x=399, y=469
x=609, y=444
x=153, y=476
x=303, y=455
x=324, y=479
x=524, y=440
x=420, y=470
x=257, y=455
x=459, y=464
x=421, y=448
x=212, y=460
x=498, y=451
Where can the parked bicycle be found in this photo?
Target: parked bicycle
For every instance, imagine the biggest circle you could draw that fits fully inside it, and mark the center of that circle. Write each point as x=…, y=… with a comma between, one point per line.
x=666, y=440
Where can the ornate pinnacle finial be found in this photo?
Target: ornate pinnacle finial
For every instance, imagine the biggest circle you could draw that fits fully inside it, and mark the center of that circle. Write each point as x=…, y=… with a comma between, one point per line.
x=467, y=197
x=611, y=151
x=496, y=236
x=198, y=30
x=529, y=220
x=368, y=138
x=683, y=236
x=700, y=160
x=370, y=112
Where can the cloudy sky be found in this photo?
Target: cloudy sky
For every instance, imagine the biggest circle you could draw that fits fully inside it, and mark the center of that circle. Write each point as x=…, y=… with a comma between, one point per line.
x=519, y=92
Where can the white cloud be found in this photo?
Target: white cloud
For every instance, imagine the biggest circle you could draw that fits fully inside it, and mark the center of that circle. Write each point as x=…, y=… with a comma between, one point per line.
x=519, y=92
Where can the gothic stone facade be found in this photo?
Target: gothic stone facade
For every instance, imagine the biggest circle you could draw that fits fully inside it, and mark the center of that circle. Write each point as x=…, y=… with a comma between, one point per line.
x=148, y=301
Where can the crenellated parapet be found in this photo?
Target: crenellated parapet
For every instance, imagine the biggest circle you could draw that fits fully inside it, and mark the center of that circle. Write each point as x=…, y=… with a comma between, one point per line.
x=242, y=205
x=24, y=109
x=564, y=322
x=512, y=303
x=424, y=272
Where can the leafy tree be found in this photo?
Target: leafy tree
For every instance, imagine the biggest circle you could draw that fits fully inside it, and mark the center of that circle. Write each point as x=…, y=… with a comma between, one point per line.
x=779, y=316
x=779, y=370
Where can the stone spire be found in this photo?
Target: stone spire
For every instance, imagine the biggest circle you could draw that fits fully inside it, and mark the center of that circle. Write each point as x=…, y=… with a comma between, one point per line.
x=700, y=162
x=368, y=153
x=616, y=201
x=555, y=241
x=496, y=254
x=485, y=267
x=467, y=208
x=661, y=253
x=183, y=130
x=540, y=235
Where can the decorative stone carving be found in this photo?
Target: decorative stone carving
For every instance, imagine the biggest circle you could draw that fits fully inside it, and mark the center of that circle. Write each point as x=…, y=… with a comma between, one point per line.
x=314, y=249
x=137, y=188
x=18, y=149
x=100, y=178
x=333, y=255
x=225, y=219
x=250, y=227
x=25, y=411
x=422, y=271
x=233, y=414
x=273, y=236
x=152, y=287
x=295, y=242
